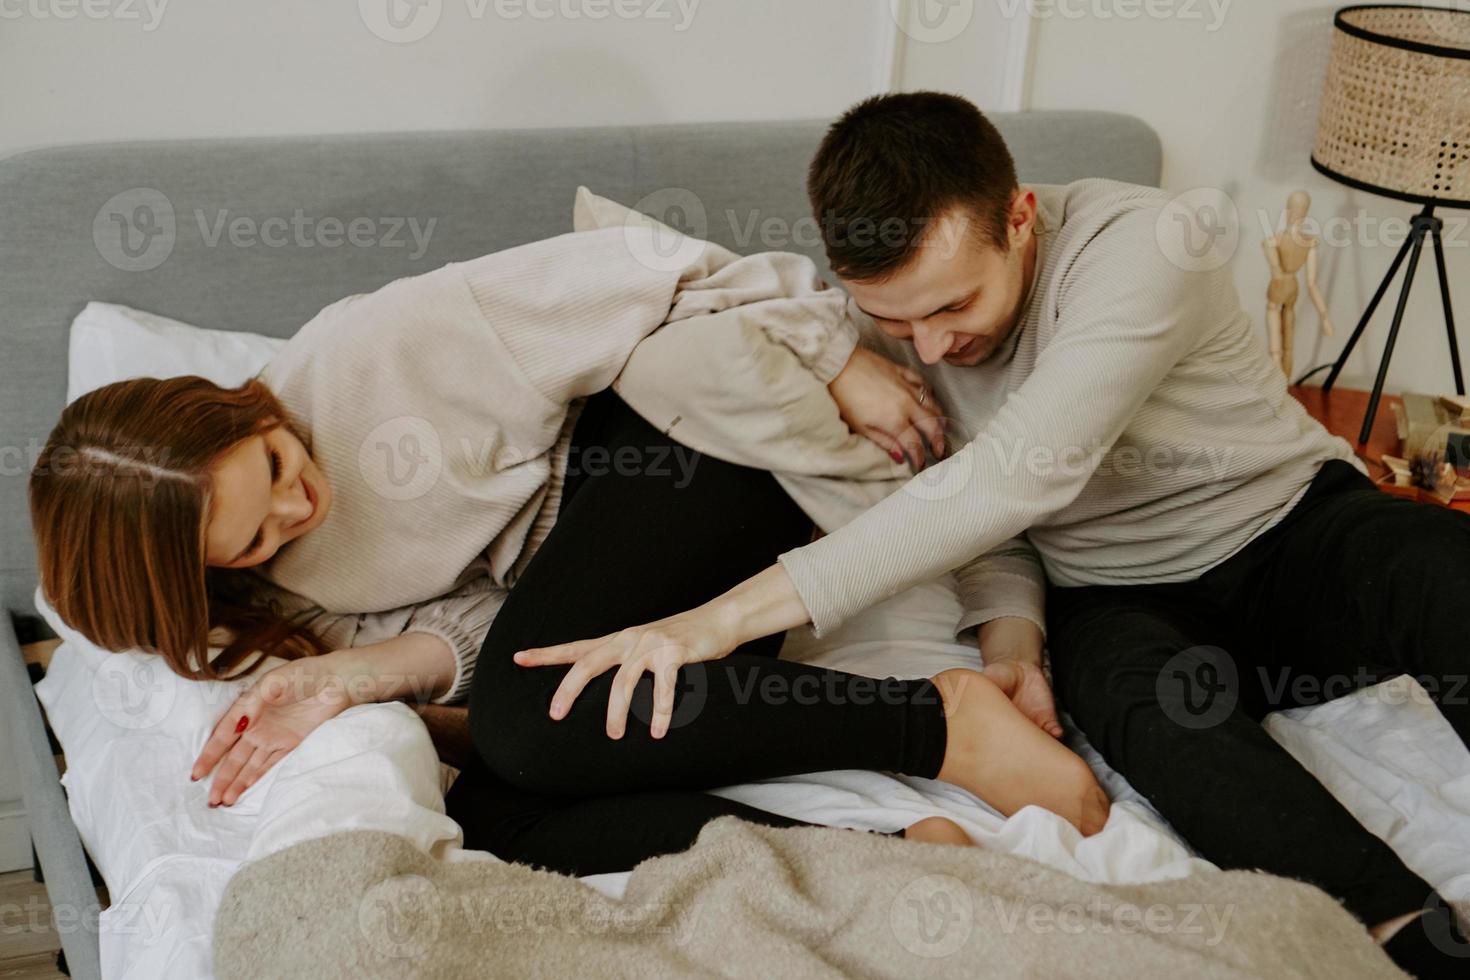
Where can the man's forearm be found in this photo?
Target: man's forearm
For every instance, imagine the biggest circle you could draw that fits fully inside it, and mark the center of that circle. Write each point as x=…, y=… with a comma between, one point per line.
x=763, y=604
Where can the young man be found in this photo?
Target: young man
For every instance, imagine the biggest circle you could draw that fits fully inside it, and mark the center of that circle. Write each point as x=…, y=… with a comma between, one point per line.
x=1204, y=542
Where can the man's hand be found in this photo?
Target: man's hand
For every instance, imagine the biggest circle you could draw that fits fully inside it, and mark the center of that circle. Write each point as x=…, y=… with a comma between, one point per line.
x=763, y=604
x=889, y=405
x=658, y=648
x=1011, y=648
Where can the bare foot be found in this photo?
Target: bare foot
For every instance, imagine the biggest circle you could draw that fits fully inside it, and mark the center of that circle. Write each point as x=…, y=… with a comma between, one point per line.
x=938, y=830
x=1001, y=756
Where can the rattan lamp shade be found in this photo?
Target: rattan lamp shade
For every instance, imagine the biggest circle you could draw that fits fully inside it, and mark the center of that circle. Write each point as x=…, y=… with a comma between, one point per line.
x=1395, y=116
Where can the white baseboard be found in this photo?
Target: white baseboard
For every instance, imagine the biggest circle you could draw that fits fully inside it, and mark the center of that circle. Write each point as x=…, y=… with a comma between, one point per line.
x=15, y=837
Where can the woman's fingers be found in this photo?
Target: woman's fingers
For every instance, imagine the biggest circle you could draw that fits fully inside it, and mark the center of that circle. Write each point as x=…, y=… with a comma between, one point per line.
x=913, y=446
x=229, y=768
x=226, y=733
x=562, y=653
x=260, y=762
x=885, y=442
x=928, y=421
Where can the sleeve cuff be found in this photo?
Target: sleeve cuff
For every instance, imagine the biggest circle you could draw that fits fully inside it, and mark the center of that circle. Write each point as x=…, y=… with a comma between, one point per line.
x=970, y=623
x=802, y=571
x=838, y=351
x=465, y=655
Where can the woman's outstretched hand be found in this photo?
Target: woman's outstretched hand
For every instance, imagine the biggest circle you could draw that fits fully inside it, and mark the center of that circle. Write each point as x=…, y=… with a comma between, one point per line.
x=267, y=720
x=659, y=648
x=288, y=703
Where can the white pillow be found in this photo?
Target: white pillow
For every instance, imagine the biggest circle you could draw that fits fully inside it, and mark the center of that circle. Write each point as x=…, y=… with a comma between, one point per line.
x=131, y=730
x=113, y=343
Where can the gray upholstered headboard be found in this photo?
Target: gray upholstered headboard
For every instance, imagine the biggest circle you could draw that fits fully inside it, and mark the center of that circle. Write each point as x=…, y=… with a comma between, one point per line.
x=60, y=240
x=260, y=234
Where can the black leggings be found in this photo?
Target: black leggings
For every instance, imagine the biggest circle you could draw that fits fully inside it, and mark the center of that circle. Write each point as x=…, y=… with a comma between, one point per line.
x=1170, y=681
x=646, y=529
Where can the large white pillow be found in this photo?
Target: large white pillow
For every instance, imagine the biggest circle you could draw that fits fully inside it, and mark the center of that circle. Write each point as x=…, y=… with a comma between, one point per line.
x=113, y=343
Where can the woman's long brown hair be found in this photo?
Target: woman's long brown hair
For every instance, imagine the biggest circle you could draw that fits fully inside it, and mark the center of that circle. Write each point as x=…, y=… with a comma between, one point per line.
x=120, y=505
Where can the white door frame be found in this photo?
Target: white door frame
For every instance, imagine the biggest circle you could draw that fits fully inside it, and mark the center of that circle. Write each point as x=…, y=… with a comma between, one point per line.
x=893, y=45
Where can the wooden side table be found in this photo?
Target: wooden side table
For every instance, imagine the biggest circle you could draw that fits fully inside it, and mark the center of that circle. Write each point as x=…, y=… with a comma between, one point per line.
x=1341, y=412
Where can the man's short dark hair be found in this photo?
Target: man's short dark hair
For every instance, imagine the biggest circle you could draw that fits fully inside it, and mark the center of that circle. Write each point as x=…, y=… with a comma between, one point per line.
x=892, y=165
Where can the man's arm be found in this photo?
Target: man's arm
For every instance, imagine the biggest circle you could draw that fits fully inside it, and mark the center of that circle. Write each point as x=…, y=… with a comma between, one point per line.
x=1118, y=337
x=1005, y=583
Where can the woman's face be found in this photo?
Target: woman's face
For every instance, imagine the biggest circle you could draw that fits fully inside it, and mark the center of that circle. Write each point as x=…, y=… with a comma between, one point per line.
x=267, y=492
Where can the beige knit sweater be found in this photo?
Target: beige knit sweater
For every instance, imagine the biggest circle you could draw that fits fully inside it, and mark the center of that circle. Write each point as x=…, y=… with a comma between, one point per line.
x=1134, y=429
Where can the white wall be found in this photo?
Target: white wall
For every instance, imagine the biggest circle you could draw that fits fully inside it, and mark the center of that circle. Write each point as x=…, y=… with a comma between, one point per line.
x=96, y=70
x=252, y=67
x=1233, y=89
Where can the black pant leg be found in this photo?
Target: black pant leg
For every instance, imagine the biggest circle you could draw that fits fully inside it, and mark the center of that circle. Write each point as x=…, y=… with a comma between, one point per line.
x=1356, y=586
x=651, y=530
x=1149, y=674
x=595, y=835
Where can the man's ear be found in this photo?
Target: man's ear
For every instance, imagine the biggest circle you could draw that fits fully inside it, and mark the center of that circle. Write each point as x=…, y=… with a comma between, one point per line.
x=1021, y=220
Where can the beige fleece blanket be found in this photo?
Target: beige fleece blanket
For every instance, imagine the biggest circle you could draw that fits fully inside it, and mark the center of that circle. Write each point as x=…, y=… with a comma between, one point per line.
x=751, y=901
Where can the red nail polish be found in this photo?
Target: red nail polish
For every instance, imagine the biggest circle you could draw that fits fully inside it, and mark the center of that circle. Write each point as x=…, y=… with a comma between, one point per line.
x=243, y=724
x=896, y=456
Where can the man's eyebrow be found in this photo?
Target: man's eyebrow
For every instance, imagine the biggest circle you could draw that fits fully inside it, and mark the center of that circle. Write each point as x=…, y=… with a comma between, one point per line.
x=265, y=446
x=939, y=309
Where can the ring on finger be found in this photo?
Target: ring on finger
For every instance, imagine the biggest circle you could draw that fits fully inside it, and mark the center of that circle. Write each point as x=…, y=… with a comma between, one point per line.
x=923, y=394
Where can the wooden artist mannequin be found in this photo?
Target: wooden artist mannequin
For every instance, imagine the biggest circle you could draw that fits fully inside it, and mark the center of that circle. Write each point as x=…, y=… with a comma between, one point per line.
x=1288, y=253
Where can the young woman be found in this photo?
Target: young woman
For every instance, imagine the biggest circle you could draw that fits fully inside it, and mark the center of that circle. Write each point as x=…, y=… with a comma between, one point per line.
x=427, y=481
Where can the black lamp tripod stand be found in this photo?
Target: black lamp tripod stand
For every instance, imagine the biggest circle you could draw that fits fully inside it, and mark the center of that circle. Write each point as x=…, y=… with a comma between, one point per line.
x=1426, y=225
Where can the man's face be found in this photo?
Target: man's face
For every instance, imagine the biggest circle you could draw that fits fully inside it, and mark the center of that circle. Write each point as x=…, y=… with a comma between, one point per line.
x=960, y=296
